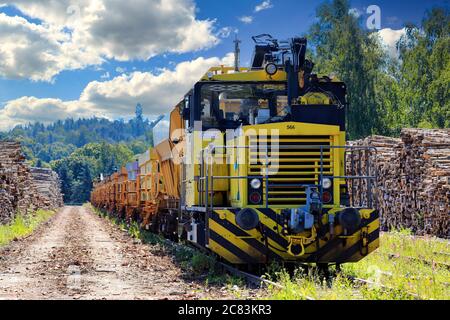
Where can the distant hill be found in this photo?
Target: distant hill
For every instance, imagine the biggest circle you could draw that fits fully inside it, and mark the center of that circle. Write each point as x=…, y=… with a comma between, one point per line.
x=79, y=150
x=44, y=143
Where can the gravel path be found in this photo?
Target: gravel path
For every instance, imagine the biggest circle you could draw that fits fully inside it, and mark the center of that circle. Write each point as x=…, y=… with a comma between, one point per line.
x=78, y=255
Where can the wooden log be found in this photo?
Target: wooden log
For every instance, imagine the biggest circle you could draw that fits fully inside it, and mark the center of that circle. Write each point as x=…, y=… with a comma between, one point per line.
x=414, y=180
x=19, y=193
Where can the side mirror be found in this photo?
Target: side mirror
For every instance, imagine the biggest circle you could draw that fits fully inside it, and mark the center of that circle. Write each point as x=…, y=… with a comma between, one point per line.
x=186, y=107
x=186, y=112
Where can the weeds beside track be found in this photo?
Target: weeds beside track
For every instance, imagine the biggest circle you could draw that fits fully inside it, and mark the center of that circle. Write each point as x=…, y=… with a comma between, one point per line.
x=23, y=226
x=403, y=268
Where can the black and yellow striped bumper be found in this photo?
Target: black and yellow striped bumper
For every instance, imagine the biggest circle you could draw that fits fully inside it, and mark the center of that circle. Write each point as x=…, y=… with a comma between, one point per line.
x=267, y=242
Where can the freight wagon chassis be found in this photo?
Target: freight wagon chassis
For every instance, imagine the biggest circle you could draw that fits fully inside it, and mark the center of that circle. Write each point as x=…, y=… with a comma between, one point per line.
x=133, y=213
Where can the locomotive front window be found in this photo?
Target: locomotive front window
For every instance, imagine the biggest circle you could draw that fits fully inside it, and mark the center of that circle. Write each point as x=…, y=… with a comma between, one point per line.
x=246, y=103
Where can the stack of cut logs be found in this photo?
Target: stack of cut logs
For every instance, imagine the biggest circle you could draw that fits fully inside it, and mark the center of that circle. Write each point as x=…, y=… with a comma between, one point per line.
x=46, y=183
x=19, y=193
x=16, y=192
x=414, y=180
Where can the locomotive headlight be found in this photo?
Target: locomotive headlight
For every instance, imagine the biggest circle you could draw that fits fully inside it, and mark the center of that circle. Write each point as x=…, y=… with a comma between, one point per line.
x=326, y=183
x=271, y=69
x=255, y=183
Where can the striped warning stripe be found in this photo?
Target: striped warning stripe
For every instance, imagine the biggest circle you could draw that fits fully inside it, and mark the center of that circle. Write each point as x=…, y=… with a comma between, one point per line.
x=244, y=236
x=335, y=245
x=256, y=246
x=269, y=228
x=357, y=247
x=235, y=250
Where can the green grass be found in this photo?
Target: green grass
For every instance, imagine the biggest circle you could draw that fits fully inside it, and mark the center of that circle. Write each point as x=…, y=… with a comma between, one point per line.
x=393, y=278
x=23, y=226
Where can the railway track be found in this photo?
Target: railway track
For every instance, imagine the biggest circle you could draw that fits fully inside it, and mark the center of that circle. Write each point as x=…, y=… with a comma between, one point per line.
x=442, y=253
x=389, y=274
x=260, y=281
x=254, y=279
x=415, y=259
x=378, y=285
x=415, y=237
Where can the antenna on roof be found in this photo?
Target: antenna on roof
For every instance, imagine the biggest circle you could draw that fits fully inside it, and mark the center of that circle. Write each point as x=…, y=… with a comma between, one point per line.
x=237, y=52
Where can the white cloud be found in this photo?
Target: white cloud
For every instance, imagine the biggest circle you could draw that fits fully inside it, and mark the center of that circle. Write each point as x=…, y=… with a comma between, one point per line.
x=114, y=98
x=264, y=6
x=157, y=93
x=389, y=39
x=246, y=19
x=355, y=12
x=120, y=70
x=30, y=109
x=55, y=12
x=141, y=29
x=37, y=52
x=73, y=30
x=225, y=32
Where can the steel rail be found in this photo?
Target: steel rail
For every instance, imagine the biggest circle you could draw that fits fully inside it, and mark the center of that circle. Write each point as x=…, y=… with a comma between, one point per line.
x=254, y=279
x=424, y=261
x=367, y=282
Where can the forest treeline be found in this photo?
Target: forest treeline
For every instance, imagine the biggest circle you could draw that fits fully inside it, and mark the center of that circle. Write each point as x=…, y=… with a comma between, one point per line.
x=385, y=92
x=80, y=150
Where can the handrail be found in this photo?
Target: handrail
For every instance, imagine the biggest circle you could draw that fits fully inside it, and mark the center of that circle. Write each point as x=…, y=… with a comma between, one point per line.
x=206, y=177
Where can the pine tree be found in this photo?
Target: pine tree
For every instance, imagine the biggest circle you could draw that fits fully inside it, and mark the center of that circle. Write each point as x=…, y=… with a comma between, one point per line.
x=138, y=122
x=66, y=182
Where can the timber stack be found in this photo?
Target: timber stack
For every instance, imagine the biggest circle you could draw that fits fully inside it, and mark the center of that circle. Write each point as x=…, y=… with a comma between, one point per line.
x=18, y=191
x=48, y=187
x=414, y=180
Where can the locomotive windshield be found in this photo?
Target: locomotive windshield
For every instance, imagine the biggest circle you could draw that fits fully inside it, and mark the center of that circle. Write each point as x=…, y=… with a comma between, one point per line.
x=241, y=103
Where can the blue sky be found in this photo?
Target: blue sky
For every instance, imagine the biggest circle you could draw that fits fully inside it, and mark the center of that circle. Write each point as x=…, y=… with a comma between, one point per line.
x=53, y=66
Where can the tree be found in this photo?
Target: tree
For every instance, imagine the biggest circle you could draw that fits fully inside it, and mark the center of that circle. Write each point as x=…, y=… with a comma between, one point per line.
x=82, y=138
x=139, y=112
x=425, y=71
x=76, y=170
x=82, y=186
x=66, y=182
x=138, y=124
x=342, y=47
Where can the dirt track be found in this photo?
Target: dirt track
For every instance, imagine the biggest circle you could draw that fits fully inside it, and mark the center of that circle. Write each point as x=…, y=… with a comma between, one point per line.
x=78, y=255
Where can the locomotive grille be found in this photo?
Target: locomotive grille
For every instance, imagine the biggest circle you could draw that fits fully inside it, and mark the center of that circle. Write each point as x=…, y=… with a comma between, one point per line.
x=296, y=162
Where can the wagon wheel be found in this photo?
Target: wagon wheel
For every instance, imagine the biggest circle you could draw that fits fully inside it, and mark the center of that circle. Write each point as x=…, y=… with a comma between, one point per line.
x=136, y=216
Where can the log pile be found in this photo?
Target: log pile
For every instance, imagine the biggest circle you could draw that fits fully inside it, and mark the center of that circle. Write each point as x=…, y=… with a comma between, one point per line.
x=48, y=186
x=18, y=192
x=15, y=188
x=413, y=185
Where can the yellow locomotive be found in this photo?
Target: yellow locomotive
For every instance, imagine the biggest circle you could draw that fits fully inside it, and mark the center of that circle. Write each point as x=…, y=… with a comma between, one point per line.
x=256, y=167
